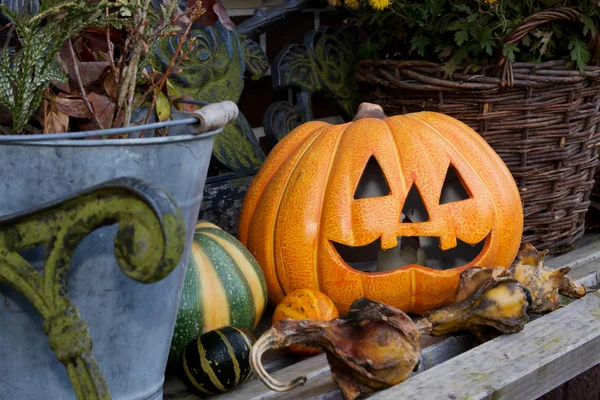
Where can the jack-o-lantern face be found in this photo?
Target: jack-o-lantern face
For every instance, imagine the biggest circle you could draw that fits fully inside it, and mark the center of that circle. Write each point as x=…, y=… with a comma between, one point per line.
x=440, y=193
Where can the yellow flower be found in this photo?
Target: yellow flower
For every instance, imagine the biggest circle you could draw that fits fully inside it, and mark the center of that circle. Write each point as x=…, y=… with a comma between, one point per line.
x=352, y=4
x=334, y=3
x=379, y=4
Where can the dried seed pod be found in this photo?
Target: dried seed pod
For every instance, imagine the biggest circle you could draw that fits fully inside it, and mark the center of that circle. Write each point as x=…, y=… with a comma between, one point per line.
x=486, y=297
x=544, y=284
x=372, y=348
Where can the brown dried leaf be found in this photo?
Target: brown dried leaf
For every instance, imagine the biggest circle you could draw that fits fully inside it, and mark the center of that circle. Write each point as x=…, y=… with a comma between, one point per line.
x=89, y=72
x=56, y=121
x=103, y=108
x=73, y=106
x=110, y=85
x=62, y=86
x=223, y=17
x=186, y=106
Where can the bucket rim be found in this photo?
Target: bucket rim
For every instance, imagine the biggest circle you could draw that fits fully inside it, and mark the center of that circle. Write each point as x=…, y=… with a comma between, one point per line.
x=79, y=139
x=109, y=142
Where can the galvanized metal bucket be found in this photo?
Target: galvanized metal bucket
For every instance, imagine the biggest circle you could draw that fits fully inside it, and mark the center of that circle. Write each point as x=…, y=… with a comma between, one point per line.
x=130, y=323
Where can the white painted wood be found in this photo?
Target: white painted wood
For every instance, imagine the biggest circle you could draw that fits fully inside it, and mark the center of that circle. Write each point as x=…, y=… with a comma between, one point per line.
x=524, y=365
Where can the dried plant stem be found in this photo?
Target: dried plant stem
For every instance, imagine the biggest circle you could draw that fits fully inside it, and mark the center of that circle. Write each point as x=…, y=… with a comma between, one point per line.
x=129, y=73
x=111, y=49
x=80, y=83
x=194, y=15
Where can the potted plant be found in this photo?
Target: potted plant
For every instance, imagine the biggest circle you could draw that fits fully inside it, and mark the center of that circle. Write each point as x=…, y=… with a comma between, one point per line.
x=523, y=74
x=83, y=104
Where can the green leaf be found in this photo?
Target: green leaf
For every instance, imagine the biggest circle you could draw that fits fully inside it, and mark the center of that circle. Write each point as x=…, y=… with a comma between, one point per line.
x=163, y=107
x=463, y=8
x=487, y=45
x=419, y=43
x=579, y=52
x=509, y=52
x=449, y=67
x=588, y=25
x=367, y=51
x=461, y=37
x=172, y=89
x=458, y=57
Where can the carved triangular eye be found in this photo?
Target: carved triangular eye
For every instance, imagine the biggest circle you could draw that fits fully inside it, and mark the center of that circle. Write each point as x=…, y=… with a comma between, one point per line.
x=414, y=209
x=372, y=182
x=454, y=188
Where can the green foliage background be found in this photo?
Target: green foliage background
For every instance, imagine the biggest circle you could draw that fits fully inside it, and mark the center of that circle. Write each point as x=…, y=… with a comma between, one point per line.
x=471, y=33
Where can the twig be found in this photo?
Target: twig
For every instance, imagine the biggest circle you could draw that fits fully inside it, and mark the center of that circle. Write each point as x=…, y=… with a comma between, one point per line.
x=111, y=49
x=78, y=76
x=171, y=65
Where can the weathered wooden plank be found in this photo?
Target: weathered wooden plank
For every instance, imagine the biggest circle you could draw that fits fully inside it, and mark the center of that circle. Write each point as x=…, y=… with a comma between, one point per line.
x=312, y=368
x=524, y=365
x=587, y=250
x=585, y=262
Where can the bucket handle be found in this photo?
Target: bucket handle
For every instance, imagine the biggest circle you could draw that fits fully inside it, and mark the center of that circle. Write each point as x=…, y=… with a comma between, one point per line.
x=210, y=117
x=539, y=18
x=216, y=115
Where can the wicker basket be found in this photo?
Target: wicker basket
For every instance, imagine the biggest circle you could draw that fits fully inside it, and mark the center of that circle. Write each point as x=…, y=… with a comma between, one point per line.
x=542, y=119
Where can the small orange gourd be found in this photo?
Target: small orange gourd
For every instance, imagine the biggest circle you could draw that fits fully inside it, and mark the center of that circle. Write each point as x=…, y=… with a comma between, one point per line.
x=305, y=304
x=305, y=204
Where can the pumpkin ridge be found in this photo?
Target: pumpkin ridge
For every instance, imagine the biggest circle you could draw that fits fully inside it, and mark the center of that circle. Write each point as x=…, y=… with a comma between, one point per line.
x=398, y=157
x=413, y=289
x=250, y=278
x=222, y=269
x=233, y=282
x=322, y=202
x=252, y=199
x=212, y=288
x=189, y=315
x=208, y=370
x=232, y=355
x=243, y=335
x=192, y=379
x=277, y=210
x=417, y=138
x=314, y=300
x=471, y=167
x=492, y=154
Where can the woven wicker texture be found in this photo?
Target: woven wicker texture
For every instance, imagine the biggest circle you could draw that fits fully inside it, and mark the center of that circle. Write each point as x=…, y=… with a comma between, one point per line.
x=542, y=119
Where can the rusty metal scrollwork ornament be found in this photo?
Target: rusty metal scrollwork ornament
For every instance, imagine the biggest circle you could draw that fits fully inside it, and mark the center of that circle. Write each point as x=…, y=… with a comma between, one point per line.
x=148, y=245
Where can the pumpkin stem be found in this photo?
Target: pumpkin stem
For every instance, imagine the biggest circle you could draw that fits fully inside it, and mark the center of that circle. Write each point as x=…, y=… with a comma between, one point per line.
x=266, y=342
x=369, y=110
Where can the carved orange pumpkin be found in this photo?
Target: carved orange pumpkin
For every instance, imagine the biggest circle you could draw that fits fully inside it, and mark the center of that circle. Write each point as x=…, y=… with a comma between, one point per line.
x=303, y=207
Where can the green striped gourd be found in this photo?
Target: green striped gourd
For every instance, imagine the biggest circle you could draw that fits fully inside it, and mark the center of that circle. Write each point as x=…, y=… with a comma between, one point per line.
x=217, y=361
x=223, y=285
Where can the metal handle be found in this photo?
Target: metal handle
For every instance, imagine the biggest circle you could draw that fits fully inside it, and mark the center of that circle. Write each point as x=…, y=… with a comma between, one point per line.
x=210, y=117
x=217, y=115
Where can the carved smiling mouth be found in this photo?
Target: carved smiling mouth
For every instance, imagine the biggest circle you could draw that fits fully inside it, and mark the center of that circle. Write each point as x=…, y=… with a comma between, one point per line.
x=423, y=250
